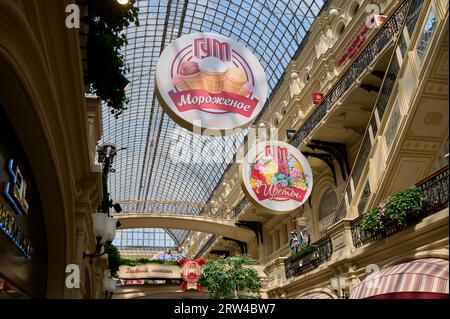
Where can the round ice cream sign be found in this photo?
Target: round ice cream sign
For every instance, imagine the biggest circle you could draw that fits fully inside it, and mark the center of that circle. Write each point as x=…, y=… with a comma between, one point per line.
x=208, y=81
x=276, y=176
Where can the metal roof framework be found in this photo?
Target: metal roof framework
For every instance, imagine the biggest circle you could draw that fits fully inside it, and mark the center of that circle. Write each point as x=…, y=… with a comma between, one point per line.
x=147, y=170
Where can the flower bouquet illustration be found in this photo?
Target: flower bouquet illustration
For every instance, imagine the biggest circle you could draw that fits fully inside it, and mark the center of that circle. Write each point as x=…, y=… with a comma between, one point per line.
x=279, y=176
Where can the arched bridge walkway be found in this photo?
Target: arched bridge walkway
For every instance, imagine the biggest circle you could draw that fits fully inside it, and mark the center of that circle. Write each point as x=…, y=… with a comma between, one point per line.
x=213, y=224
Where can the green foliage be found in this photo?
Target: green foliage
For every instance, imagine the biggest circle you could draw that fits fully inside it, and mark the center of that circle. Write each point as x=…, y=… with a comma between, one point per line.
x=230, y=278
x=404, y=205
x=372, y=221
x=302, y=253
x=106, y=66
x=397, y=210
x=144, y=261
x=114, y=260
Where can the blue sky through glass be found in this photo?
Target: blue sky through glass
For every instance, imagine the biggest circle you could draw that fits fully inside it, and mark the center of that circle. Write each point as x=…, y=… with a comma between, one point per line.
x=272, y=30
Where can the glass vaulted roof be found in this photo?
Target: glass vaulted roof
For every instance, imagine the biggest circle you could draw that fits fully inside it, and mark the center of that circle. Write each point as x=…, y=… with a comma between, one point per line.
x=145, y=170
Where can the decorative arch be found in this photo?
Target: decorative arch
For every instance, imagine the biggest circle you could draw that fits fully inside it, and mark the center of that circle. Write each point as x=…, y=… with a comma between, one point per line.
x=30, y=100
x=353, y=9
x=321, y=187
x=339, y=28
x=276, y=120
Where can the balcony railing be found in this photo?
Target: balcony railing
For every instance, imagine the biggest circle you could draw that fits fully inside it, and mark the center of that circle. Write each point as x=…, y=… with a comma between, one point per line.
x=436, y=191
x=312, y=260
x=237, y=210
x=381, y=103
x=370, y=53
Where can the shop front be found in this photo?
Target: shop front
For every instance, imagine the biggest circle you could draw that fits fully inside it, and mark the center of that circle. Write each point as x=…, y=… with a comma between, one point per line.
x=23, y=243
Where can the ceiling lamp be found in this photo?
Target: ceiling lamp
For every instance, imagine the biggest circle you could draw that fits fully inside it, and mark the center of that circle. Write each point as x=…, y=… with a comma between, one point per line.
x=334, y=12
x=104, y=228
x=123, y=2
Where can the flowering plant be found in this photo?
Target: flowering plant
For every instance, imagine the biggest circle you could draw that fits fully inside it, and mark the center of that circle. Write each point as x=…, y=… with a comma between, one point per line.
x=397, y=210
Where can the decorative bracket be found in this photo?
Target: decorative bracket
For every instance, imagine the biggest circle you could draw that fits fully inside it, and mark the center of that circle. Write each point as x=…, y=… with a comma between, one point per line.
x=327, y=159
x=255, y=226
x=337, y=150
x=242, y=245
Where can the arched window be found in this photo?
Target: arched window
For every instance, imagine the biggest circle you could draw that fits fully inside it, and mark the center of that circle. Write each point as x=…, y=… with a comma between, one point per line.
x=340, y=28
x=328, y=203
x=276, y=121
x=354, y=8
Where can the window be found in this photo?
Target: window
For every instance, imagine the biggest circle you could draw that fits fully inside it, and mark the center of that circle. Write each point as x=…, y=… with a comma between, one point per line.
x=364, y=198
x=392, y=125
x=340, y=29
x=354, y=9
x=328, y=203
x=426, y=34
x=403, y=45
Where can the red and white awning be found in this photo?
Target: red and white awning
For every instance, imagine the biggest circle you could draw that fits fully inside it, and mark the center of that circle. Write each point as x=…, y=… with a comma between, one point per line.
x=316, y=295
x=423, y=278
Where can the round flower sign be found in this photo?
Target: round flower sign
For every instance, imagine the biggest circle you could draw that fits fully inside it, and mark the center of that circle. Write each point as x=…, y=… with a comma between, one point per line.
x=209, y=81
x=275, y=176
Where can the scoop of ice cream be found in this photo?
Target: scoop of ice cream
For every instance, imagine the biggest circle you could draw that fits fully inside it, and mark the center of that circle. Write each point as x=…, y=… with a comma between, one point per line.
x=236, y=74
x=212, y=65
x=189, y=68
x=248, y=87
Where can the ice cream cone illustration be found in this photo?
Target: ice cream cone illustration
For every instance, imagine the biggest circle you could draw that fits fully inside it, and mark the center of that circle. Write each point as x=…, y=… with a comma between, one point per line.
x=213, y=72
x=190, y=73
x=179, y=83
x=234, y=80
x=246, y=89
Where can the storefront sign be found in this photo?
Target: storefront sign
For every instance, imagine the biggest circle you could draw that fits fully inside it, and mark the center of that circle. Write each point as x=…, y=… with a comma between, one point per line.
x=317, y=97
x=376, y=21
x=12, y=230
x=16, y=188
x=209, y=81
x=275, y=176
x=191, y=272
x=136, y=282
x=150, y=271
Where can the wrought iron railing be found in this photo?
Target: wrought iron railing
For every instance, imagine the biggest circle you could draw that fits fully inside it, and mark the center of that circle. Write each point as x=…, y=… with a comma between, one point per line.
x=312, y=260
x=367, y=56
x=205, y=247
x=436, y=191
x=381, y=103
x=239, y=208
x=370, y=53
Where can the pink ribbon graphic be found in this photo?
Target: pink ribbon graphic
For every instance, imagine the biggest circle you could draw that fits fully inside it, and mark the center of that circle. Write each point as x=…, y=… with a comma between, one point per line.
x=200, y=99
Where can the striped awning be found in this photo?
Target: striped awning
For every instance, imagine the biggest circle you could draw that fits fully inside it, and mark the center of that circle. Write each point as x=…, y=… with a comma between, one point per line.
x=423, y=276
x=316, y=295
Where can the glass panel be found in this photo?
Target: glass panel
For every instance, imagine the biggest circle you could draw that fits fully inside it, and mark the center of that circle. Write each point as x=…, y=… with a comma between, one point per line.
x=364, y=198
x=139, y=237
x=392, y=125
x=146, y=169
x=328, y=203
x=426, y=34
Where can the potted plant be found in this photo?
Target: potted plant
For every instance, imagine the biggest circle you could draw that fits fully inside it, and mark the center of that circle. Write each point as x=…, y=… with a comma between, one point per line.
x=311, y=249
x=396, y=211
x=404, y=206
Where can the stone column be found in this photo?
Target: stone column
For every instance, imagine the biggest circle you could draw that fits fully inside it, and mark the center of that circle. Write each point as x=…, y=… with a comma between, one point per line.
x=341, y=239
